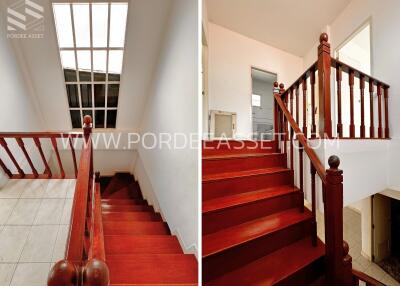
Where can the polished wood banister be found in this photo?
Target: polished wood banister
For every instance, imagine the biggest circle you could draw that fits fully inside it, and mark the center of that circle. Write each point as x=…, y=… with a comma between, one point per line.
x=319, y=167
x=360, y=276
x=304, y=75
x=50, y=134
x=357, y=73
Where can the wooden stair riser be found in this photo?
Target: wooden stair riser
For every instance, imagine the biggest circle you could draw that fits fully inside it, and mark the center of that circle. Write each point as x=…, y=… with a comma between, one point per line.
x=123, y=202
x=131, y=216
x=230, y=259
x=220, y=219
x=215, y=166
x=305, y=276
x=237, y=147
x=230, y=186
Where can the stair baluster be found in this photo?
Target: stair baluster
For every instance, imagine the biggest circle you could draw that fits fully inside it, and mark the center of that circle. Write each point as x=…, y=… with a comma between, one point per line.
x=362, y=87
x=351, y=86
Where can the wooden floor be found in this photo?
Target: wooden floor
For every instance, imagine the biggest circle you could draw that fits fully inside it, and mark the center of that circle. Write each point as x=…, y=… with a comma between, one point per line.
x=139, y=247
x=255, y=228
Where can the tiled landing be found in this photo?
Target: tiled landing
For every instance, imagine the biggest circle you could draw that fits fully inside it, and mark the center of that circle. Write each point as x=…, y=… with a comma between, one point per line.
x=34, y=223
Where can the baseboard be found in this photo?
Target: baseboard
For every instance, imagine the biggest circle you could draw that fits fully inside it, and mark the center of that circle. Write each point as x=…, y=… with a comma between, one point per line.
x=191, y=249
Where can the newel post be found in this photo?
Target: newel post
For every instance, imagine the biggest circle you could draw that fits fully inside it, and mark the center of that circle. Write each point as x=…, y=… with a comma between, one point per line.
x=87, y=126
x=324, y=85
x=333, y=213
x=276, y=112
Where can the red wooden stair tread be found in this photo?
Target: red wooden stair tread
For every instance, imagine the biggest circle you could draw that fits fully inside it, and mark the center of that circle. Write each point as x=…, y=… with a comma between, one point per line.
x=136, y=227
x=234, y=156
x=122, y=202
x=135, y=244
x=131, y=216
x=248, y=197
x=172, y=269
x=274, y=267
x=235, y=235
x=245, y=173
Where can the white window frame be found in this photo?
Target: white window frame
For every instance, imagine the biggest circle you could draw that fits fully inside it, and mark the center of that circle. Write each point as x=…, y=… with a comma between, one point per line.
x=78, y=83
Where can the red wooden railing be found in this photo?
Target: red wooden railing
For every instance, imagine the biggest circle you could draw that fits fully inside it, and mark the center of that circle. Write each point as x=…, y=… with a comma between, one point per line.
x=38, y=138
x=84, y=262
x=290, y=137
x=323, y=67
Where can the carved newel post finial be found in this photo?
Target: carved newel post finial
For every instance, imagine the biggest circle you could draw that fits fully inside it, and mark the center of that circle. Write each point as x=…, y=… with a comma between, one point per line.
x=323, y=38
x=63, y=273
x=281, y=87
x=334, y=162
x=87, y=125
x=96, y=273
x=276, y=87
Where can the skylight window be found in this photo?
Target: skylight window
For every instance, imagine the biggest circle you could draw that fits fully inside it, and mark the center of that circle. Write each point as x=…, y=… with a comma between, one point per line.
x=91, y=38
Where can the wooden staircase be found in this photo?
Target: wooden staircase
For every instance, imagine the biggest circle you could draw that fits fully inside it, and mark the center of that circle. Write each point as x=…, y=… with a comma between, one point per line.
x=255, y=228
x=139, y=248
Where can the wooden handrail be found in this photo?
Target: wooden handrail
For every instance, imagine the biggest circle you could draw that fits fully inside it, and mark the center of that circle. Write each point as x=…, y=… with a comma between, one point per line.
x=319, y=167
x=50, y=134
x=84, y=262
x=369, y=281
x=338, y=262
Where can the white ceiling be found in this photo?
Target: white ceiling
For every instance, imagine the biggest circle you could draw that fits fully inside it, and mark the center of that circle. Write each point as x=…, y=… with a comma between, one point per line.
x=290, y=25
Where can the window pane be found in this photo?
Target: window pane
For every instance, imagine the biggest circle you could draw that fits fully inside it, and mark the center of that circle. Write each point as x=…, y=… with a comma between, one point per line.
x=99, y=95
x=62, y=18
x=70, y=75
x=99, y=24
x=82, y=25
x=111, y=118
x=99, y=118
x=68, y=59
x=84, y=65
x=112, y=97
x=72, y=92
x=99, y=65
x=86, y=95
x=76, y=118
x=118, y=24
x=84, y=60
x=115, y=65
x=87, y=112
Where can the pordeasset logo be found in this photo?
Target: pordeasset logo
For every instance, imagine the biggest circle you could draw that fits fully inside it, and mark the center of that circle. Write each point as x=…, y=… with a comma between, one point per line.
x=25, y=20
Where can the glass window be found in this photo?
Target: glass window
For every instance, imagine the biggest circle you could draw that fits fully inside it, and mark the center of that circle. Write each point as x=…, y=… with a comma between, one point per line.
x=256, y=100
x=100, y=95
x=111, y=118
x=86, y=95
x=76, y=119
x=73, y=96
x=99, y=115
x=91, y=38
x=112, y=97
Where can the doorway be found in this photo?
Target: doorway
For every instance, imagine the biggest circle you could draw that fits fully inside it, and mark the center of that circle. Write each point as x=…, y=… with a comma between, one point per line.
x=262, y=103
x=356, y=52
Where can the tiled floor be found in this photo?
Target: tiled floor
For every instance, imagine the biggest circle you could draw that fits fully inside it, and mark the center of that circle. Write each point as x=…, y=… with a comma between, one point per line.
x=34, y=222
x=352, y=234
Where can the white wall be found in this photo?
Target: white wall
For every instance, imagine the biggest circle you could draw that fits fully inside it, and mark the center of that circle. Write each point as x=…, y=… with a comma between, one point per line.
x=231, y=57
x=17, y=111
x=170, y=175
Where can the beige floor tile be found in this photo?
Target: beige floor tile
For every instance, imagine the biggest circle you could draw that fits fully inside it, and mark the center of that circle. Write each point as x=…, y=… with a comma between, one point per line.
x=12, y=241
x=50, y=211
x=40, y=244
x=56, y=189
x=59, y=248
x=32, y=274
x=6, y=273
x=66, y=216
x=24, y=212
x=35, y=190
x=14, y=188
x=6, y=208
x=71, y=189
